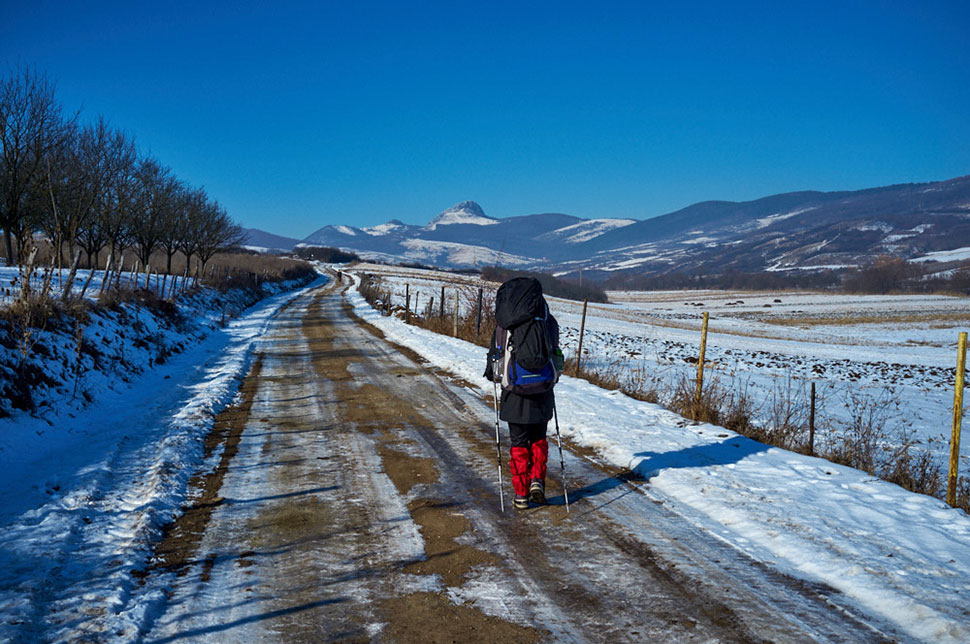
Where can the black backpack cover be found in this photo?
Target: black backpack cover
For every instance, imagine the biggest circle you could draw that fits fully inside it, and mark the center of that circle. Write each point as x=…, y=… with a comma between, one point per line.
x=522, y=338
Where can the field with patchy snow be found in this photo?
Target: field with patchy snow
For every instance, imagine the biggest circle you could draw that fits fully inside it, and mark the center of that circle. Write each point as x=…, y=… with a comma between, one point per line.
x=900, y=555
x=885, y=362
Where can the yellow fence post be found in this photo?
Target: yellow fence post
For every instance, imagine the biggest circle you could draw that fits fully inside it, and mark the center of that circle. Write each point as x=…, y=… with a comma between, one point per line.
x=407, y=304
x=700, y=366
x=951, y=488
x=582, y=330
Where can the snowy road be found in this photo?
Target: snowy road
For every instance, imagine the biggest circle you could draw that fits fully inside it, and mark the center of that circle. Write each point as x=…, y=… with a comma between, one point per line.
x=356, y=500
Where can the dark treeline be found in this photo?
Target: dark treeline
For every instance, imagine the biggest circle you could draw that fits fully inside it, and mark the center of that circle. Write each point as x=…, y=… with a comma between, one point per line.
x=86, y=187
x=890, y=274
x=885, y=274
x=325, y=254
x=734, y=280
x=550, y=285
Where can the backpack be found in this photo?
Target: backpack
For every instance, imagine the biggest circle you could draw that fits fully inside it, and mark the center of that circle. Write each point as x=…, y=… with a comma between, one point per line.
x=523, y=361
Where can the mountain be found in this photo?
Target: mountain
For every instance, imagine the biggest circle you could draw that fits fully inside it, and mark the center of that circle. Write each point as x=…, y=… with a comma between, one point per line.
x=466, y=213
x=265, y=242
x=793, y=231
x=462, y=235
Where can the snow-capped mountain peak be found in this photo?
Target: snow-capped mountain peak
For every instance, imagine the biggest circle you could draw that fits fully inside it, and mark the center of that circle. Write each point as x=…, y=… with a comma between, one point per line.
x=466, y=212
x=384, y=229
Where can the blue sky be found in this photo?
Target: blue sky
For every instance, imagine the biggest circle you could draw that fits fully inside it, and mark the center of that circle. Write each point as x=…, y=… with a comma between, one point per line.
x=299, y=115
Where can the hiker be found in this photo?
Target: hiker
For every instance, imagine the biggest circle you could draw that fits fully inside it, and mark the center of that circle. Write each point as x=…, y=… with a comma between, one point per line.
x=524, y=356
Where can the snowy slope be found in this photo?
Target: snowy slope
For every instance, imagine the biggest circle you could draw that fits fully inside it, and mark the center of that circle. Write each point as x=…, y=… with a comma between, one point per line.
x=85, y=492
x=585, y=230
x=899, y=555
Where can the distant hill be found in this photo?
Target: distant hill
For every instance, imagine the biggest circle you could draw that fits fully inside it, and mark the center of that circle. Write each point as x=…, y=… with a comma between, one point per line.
x=268, y=242
x=794, y=231
x=461, y=236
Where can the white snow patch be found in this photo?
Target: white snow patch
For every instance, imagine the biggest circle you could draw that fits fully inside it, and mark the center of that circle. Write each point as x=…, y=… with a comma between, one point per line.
x=702, y=239
x=764, y=222
x=881, y=226
x=586, y=230
x=381, y=229
x=953, y=255
x=460, y=254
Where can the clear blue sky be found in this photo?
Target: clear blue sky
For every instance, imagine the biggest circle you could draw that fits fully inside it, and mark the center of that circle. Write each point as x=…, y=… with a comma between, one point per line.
x=298, y=115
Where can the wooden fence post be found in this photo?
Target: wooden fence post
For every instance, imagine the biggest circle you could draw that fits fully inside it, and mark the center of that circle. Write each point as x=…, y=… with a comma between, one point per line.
x=700, y=366
x=407, y=304
x=582, y=331
x=478, y=319
x=951, y=488
x=106, y=276
x=441, y=313
x=121, y=270
x=87, y=283
x=66, y=293
x=454, y=331
x=811, y=424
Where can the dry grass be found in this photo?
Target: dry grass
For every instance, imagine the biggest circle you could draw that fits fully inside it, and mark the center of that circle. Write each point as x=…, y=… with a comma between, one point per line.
x=249, y=272
x=940, y=318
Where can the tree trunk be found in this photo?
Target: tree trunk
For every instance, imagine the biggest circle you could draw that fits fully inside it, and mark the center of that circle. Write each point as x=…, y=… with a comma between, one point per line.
x=8, y=241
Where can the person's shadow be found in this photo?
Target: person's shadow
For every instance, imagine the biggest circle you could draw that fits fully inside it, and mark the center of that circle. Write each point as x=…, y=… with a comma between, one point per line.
x=732, y=450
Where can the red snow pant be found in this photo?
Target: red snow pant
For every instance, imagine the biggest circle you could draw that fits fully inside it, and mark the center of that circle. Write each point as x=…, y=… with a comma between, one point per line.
x=529, y=454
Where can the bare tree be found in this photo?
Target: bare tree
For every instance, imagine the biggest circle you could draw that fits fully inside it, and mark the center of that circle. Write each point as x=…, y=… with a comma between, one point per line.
x=173, y=222
x=195, y=212
x=118, y=212
x=214, y=233
x=78, y=175
x=113, y=147
x=30, y=126
x=153, y=184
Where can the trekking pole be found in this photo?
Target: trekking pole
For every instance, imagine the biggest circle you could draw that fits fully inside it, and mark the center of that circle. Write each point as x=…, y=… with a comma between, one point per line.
x=562, y=464
x=498, y=447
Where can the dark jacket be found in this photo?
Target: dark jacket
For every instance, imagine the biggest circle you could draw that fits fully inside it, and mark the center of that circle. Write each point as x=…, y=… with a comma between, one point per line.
x=517, y=408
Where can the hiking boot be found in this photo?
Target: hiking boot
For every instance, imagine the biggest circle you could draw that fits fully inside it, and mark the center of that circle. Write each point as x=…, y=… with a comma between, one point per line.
x=537, y=492
x=521, y=502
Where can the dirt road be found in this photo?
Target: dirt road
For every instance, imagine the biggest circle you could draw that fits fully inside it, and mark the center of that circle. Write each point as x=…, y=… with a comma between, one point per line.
x=354, y=498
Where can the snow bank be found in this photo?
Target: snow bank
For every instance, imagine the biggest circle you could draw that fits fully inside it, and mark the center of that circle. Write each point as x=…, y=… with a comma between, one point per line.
x=86, y=491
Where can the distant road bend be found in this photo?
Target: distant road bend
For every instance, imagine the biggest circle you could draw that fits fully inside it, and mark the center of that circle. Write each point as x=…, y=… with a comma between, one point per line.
x=357, y=500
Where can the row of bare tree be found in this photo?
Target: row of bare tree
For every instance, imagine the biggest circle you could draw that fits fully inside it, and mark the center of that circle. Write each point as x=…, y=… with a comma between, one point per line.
x=87, y=187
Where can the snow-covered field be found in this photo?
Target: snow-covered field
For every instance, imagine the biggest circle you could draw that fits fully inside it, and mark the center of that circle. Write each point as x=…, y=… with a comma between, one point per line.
x=87, y=485
x=903, y=556
x=892, y=357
